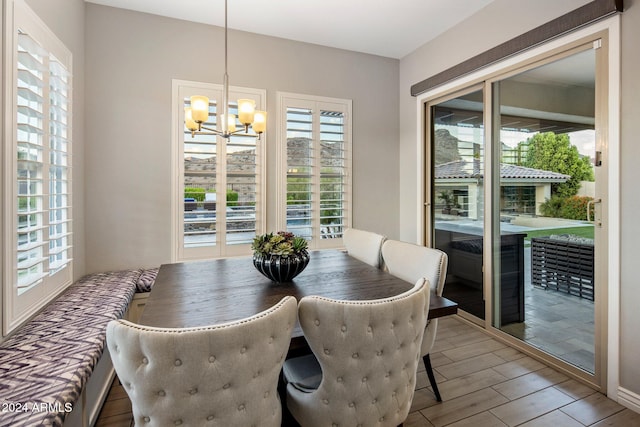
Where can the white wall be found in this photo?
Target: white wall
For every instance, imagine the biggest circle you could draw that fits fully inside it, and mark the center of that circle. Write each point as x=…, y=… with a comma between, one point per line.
x=131, y=59
x=496, y=23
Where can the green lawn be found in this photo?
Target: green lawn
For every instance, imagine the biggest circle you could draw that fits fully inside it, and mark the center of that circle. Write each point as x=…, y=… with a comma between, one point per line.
x=586, y=231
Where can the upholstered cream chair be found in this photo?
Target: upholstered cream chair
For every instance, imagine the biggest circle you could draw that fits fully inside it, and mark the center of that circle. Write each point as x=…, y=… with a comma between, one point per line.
x=364, y=245
x=221, y=375
x=366, y=357
x=410, y=262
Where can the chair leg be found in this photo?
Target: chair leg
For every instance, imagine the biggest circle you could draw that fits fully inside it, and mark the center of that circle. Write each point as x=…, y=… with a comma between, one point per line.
x=432, y=379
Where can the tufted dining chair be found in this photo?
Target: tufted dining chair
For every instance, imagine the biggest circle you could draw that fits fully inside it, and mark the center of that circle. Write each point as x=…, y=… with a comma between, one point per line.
x=364, y=245
x=220, y=375
x=409, y=262
x=365, y=355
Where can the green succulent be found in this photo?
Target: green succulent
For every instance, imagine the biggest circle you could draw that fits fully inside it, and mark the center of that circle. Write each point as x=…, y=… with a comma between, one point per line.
x=282, y=243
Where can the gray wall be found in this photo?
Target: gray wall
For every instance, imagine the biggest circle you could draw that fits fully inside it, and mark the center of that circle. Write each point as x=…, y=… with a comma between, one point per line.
x=131, y=59
x=66, y=19
x=498, y=22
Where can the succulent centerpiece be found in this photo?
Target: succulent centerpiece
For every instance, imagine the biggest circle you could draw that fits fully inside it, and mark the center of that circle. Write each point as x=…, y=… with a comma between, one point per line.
x=280, y=256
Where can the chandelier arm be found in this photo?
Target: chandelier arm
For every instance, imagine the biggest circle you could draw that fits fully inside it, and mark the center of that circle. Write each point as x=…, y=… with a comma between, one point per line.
x=215, y=131
x=211, y=131
x=243, y=132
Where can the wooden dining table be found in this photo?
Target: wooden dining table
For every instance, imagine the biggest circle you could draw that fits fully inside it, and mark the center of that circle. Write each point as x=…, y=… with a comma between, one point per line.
x=201, y=293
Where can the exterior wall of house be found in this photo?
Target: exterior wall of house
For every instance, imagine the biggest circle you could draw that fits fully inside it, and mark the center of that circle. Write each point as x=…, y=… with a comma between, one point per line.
x=543, y=193
x=132, y=58
x=66, y=19
x=498, y=22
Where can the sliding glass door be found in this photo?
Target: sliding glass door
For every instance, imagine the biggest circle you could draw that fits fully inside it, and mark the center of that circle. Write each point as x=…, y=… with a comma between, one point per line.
x=458, y=195
x=546, y=192
x=516, y=201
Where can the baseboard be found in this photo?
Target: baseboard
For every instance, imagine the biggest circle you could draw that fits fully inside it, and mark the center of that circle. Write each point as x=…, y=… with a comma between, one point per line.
x=629, y=399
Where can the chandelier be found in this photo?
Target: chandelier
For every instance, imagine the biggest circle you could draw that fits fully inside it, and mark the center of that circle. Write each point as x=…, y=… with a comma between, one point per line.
x=198, y=112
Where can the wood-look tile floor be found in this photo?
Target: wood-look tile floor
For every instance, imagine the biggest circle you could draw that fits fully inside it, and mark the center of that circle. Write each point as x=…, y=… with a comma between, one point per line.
x=483, y=383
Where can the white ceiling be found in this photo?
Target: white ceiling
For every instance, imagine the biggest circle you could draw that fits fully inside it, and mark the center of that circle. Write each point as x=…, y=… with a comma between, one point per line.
x=391, y=28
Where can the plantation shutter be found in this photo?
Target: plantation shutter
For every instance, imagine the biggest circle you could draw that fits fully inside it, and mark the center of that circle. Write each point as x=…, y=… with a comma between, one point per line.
x=43, y=163
x=31, y=158
x=300, y=172
x=200, y=157
x=318, y=168
x=219, y=189
x=38, y=231
x=333, y=174
x=59, y=167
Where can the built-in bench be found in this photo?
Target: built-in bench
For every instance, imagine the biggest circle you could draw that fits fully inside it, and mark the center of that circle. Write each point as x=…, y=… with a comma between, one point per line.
x=55, y=369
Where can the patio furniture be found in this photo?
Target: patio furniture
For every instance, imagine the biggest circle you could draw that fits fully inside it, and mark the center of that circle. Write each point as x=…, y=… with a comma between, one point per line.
x=190, y=204
x=464, y=246
x=563, y=264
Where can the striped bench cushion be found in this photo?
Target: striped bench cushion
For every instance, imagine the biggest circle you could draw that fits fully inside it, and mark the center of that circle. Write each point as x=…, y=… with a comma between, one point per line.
x=45, y=365
x=146, y=280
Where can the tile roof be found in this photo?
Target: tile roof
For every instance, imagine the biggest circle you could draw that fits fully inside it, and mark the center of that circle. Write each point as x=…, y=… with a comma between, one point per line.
x=461, y=169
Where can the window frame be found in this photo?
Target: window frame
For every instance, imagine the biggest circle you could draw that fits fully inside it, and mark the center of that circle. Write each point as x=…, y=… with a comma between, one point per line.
x=19, y=307
x=182, y=89
x=287, y=100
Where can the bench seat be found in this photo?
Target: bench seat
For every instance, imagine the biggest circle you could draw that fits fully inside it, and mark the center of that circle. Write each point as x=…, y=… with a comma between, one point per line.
x=48, y=361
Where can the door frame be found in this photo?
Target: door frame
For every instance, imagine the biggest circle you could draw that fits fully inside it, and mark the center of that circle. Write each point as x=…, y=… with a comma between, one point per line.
x=608, y=319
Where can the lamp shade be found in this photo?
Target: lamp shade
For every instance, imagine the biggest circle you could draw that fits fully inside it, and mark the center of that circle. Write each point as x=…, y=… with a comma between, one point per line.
x=231, y=122
x=188, y=120
x=246, y=110
x=199, y=108
x=259, y=121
